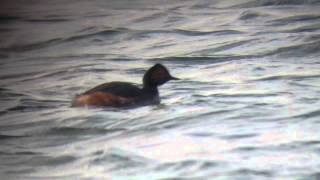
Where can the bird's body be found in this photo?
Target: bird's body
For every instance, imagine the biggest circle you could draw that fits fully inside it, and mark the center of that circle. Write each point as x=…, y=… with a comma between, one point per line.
x=124, y=94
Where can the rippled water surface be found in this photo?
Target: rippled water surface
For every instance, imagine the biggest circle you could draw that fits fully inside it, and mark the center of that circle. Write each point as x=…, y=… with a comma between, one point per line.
x=247, y=106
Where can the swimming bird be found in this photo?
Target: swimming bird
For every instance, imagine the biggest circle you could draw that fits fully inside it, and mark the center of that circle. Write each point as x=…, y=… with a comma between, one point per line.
x=124, y=94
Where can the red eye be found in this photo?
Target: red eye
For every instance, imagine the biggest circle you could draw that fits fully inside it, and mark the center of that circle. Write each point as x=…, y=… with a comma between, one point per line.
x=159, y=75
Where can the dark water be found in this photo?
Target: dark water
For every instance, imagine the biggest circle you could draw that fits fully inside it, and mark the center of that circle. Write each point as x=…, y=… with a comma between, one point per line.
x=247, y=107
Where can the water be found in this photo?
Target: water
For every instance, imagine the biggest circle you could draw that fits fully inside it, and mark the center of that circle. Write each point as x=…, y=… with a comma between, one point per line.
x=247, y=107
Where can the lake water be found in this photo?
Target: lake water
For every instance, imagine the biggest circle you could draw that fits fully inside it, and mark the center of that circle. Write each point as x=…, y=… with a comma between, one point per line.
x=247, y=107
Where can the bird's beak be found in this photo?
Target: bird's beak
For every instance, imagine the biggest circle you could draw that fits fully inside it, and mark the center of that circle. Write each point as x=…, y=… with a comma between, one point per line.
x=174, y=78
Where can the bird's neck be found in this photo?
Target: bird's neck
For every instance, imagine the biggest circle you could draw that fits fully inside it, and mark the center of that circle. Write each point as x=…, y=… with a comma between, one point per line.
x=150, y=89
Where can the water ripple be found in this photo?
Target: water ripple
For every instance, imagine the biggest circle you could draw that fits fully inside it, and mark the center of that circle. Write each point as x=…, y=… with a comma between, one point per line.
x=245, y=105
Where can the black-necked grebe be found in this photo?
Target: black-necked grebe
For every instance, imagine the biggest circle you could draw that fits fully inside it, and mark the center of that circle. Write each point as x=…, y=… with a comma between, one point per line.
x=123, y=94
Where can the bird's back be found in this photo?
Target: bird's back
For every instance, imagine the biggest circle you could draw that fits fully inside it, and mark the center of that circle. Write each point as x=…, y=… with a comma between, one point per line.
x=122, y=89
x=116, y=94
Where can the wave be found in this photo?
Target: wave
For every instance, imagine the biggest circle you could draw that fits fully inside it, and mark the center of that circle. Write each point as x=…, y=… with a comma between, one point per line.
x=5, y=92
x=245, y=95
x=4, y=137
x=294, y=19
x=17, y=75
x=151, y=17
x=252, y=172
x=108, y=32
x=287, y=77
x=119, y=157
x=256, y=3
x=4, y=19
x=310, y=114
x=12, y=18
x=190, y=32
x=239, y=136
x=132, y=33
x=300, y=50
x=56, y=41
x=67, y=131
x=31, y=46
x=224, y=46
x=48, y=20
x=202, y=59
x=189, y=163
x=28, y=104
x=307, y=28
x=249, y=15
